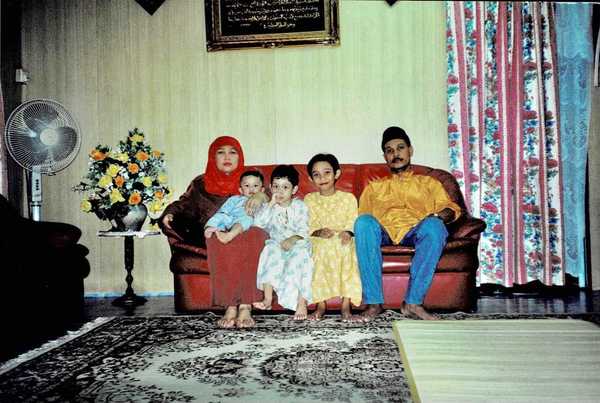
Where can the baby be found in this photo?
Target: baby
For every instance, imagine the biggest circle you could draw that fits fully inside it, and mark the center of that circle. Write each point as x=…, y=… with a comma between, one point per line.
x=231, y=219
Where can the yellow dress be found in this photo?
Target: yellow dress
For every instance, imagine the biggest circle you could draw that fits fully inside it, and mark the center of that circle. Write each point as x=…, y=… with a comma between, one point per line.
x=336, y=269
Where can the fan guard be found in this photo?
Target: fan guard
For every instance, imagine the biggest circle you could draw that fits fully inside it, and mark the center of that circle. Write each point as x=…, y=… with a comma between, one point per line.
x=41, y=135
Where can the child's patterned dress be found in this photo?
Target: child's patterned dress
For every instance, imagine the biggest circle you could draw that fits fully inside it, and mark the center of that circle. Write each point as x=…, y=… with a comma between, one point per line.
x=289, y=272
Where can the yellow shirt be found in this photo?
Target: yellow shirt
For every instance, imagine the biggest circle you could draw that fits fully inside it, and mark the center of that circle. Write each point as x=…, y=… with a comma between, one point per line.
x=399, y=202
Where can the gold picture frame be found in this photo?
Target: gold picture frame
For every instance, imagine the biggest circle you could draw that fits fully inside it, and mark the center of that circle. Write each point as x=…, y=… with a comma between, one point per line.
x=238, y=24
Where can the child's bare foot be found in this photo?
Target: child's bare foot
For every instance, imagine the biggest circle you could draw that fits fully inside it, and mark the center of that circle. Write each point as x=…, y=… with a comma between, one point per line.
x=265, y=305
x=224, y=237
x=346, y=312
x=319, y=312
x=371, y=312
x=244, y=319
x=228, y=320
x=416, y=311
x=301, y=311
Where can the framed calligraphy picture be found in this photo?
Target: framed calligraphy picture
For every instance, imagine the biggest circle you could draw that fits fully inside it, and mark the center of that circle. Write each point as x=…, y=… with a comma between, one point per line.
x=236, y=24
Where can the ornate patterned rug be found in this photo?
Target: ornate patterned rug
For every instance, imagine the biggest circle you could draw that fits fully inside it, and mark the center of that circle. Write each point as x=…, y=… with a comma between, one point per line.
x=187, y=359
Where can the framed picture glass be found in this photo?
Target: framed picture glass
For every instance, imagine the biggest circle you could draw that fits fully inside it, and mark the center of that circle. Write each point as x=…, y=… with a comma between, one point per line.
x=235, y=24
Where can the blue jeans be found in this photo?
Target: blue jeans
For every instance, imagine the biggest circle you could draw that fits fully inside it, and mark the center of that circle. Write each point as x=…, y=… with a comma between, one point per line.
x=428, y=238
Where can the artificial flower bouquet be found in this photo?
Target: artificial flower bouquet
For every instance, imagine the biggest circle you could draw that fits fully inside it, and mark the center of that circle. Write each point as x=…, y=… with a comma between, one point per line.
x=128, y=175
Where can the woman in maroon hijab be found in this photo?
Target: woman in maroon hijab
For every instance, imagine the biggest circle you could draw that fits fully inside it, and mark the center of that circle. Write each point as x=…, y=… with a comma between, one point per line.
x=232, y=267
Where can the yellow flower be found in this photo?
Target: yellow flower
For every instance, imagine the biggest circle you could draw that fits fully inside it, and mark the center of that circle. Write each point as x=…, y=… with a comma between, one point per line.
x=123, y=157
x=113, y=170
x=105, y=181
x=155, y=206
x=86, y=206
x=137, y=138
x=147, y=181
x=115, y=196
x=162, y=178
x=156, y=153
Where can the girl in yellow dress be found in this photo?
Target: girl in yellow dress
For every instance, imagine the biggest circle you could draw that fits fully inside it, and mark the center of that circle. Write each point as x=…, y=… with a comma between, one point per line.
x=331, y=219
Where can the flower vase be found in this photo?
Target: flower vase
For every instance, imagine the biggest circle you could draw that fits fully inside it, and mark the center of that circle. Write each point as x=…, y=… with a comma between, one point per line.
x=132, y=221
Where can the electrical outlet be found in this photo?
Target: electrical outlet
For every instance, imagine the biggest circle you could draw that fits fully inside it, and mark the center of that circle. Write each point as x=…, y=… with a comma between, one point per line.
x=21, y=76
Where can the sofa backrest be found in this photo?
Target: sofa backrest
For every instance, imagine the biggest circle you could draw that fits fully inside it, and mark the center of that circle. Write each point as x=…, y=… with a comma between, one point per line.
x=355, y=177
x=346, y=182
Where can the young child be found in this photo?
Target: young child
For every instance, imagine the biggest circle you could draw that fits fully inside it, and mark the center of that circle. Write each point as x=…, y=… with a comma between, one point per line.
x=231, y=219
x=332, y=214
x=285, y=263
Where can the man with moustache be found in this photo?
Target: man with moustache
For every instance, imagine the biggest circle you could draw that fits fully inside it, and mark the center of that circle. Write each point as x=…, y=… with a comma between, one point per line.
x=406, y=209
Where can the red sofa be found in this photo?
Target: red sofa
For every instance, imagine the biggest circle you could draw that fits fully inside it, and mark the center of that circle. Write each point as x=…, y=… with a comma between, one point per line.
x=453, y=286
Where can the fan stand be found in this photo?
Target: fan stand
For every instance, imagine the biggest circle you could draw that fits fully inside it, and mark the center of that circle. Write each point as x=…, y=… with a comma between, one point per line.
x=36, y=194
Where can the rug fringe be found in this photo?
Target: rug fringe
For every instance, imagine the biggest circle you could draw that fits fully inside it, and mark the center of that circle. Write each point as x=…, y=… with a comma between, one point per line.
x=85, y=328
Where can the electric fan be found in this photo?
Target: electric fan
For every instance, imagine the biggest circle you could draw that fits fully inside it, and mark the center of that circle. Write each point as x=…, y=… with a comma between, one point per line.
x=42, y=137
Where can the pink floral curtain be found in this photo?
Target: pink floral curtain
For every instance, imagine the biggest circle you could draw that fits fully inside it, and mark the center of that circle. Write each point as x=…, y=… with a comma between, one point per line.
x=504, y=137
x=3, y=152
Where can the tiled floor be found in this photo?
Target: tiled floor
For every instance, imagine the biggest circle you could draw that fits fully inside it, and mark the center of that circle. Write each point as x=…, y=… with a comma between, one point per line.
x=573, y=302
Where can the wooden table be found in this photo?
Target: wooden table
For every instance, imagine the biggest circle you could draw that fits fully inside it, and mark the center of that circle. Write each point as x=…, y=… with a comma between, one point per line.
x=129, y=299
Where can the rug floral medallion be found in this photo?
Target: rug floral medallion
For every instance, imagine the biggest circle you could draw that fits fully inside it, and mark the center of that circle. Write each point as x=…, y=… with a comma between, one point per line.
x=188, y=359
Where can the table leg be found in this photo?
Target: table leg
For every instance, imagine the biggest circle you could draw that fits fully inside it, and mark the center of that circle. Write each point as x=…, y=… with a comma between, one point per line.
x=129, y=298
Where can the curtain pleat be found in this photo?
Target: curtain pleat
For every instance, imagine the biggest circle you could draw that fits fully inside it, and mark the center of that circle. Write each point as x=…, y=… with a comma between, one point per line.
x=503, y=135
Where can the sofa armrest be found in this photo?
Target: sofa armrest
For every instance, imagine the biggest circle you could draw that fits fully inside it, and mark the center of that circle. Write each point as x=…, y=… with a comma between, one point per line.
x=469, y=227
x=198, y=250
x=54, y=234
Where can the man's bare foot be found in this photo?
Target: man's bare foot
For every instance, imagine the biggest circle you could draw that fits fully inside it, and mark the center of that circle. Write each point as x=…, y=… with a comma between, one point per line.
x=244, y=319
x=371, y=312
x=228, y=320
x=301, y=310
x=416, y=311
x=265, y=305
x=319, y=312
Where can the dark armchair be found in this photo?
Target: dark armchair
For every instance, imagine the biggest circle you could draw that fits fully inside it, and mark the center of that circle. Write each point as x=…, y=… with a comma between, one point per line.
x=42, y=276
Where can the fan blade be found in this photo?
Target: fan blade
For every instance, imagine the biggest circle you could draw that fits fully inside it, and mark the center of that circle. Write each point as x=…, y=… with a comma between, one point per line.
x=67, y=142
x=38, y=116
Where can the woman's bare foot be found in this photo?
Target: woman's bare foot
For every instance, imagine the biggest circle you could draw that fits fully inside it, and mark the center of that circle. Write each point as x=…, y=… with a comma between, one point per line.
x=371, y=312
x=265, y=304
x=319, y=312
x=244, y=318
x=347, y=312
x=228, y=320
x=416, y=311
x=301, y=310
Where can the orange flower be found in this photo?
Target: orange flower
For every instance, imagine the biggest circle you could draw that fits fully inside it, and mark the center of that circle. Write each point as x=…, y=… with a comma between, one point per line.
x=141, y=156
x=156, y=153
x=119, y=181
x=159, y=194
x=97, y=155
x=133, y=168
x=135, y=198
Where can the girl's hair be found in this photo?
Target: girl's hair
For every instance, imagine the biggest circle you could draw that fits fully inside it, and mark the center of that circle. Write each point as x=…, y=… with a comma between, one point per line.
x=255, y=173
x=329, y=158
x=286, y=171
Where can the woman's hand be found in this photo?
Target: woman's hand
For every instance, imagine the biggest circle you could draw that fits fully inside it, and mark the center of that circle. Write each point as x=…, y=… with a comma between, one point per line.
x=324, y=233
x=254, y=202
x=345, y=237
x=167, y=220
